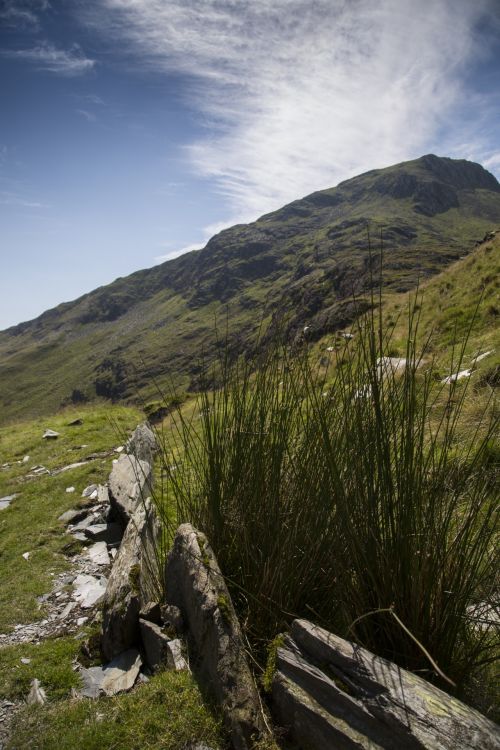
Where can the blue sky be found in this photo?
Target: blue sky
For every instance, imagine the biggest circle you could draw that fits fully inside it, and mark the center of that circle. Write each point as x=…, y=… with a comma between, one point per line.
x=132, y=130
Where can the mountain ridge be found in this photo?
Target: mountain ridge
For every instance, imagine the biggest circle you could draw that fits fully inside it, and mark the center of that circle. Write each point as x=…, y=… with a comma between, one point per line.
x=306, y=259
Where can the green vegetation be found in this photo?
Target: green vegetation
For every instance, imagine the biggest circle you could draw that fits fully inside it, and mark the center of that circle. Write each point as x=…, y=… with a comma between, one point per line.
x=129, y=339
x=374, y=514
x=166, y=714
x=30, y=523
x=50, y=661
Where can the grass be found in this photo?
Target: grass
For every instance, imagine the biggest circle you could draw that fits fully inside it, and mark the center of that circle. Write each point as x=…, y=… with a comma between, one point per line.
x=51, y=662
x=375, y=515
x=30, y=523
x=168, y=713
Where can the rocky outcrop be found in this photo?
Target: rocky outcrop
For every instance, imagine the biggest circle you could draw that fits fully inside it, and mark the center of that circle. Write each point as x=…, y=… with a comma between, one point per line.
x=143, y=444
x=195, y=585
x=131, y=582
x=129, y=483
x=329, y=692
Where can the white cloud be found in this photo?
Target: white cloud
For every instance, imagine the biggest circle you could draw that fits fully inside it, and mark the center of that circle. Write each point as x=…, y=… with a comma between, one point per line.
x=180, y=251
x=89, y=116
x=70, y=62
x=299, y=94
x=13, y=199
x=22, y=14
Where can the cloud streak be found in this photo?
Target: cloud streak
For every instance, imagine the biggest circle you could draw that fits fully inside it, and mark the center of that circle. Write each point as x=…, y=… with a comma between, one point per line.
x=45, y=56
x=299, y=94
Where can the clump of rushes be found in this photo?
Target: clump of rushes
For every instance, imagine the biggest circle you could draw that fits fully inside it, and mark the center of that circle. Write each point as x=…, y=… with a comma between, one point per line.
x=349, y=498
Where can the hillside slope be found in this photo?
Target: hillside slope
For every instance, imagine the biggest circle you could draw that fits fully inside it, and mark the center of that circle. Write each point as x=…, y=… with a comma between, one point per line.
x=305, y=259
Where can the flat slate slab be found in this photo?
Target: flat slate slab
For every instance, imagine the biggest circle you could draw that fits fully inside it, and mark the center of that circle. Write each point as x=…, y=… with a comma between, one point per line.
x=116, y=677
x=88, y=590
x=332, y=693
x=6, y=501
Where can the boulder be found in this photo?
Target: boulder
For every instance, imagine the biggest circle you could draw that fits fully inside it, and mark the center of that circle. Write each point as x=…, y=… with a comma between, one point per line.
x=116, y=677
x=143, y=443
x=160, y=650
x=329, y=692
x=196, y=586
x=129, y=484
x=132, y=578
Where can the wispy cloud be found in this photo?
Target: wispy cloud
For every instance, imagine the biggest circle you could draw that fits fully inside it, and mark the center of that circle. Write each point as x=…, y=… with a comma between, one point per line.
x=299, y=94
x=69, y=62
x=13, y=199
x=89, y=116
x=22, y=14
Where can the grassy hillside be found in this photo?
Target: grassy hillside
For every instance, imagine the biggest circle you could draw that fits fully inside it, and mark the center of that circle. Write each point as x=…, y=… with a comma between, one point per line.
x=304, y=260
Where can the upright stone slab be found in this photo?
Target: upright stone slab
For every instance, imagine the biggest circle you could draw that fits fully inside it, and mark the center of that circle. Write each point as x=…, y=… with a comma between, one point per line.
x=195, y=585
x=129, y=484
x=329, y=692
x=143, y=443
x=132, y=580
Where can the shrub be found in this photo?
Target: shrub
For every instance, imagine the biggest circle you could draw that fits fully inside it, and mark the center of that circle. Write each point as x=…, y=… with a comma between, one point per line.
x=347, y=498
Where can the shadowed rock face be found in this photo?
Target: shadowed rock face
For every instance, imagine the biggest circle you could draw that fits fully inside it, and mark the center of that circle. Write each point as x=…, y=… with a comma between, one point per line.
x=196, y=586
x=329, y=692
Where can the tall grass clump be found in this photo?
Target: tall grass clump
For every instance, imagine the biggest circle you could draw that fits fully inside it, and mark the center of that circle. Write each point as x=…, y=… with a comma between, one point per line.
x=348, y=496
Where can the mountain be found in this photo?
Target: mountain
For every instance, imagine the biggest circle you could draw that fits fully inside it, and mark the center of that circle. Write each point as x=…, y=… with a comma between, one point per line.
x=306, y=260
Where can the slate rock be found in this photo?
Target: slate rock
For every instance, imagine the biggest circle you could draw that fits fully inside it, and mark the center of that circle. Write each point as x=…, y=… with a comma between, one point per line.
x=75, y=423
x=129, y=485
x=50, y=435
x=88, y=590
x=143, y=443
x=111, y=533
x=155, y=643
x=74, y=515
x=98, y=554
x=116, y=677
x=128, y=587
x=196, y=586
x=172, y=618
x=36, y=694
x=6, y=501
x=384, y=706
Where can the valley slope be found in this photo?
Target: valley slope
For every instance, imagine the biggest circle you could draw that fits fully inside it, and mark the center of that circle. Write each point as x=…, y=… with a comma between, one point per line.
x=305, y=260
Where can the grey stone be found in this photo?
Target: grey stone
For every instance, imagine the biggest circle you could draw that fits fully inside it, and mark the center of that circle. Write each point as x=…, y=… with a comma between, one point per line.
x=172, y=618
x=75, y=514
x=87, y=492
x=50, y=435
x=175, y=659
x=99, y=554
x=155, y=644
x=111, y=533
x=195, y=584
x=6, y=501
x=382, y=706
x=143, y=443
x=116, y=677
x=37, y=693
x=130, y=583
x=88, y=590
x=75, y=422
x=129, y=485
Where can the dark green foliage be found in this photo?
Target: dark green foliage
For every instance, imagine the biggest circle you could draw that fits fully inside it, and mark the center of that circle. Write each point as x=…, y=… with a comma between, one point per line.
x=347, y=498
